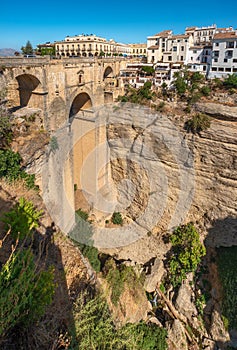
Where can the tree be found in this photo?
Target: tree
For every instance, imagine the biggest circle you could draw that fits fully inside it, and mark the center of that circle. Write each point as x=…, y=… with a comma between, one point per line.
x=198, y=123
x=149, y=70
x=28, y=49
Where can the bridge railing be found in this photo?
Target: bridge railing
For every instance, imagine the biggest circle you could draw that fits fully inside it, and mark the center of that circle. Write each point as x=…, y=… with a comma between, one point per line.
x=25, y=61
x=15, y=61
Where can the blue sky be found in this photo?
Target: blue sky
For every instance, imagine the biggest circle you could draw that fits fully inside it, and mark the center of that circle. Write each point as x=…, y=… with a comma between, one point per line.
x=125, y=20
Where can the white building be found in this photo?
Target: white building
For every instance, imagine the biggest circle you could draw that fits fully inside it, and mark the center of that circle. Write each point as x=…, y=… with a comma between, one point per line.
x=177, y=49
x=199, y=58
x=201, y=35
x=157, y=45
x=224, y=54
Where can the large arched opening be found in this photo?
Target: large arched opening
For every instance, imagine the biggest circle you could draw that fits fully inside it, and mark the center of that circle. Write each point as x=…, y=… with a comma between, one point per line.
x=84, y=141
x=27, y=83
x=81, y=102
x=108, y=73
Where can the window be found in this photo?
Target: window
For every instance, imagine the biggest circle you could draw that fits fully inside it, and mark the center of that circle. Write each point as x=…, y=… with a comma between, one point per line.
x=235, y=70
x=153, y=51
x=225, y=60
x=215, y=59
x=215, y=54
x=182, y=48
x=221, y=69
x=194, y=51
x=175, y=48
x=191, y=58
x=228, y=69
x=182, y=58
x=230, y=44
x=229, y=54
x=214, y=69
x=216, y=44
x=234, y=60
x=169, y=58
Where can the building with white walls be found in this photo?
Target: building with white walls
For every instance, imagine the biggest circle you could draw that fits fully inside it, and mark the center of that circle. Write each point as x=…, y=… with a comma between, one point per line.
x=224, y=54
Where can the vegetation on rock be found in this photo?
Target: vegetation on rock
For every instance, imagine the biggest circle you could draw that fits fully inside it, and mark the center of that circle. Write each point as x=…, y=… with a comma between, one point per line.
x=11, y=170
x=25, y=289
x=95, y=329
x=199, y=122
x=117, y=218
x=22, y=219
x=118, y=277
x=187, y=251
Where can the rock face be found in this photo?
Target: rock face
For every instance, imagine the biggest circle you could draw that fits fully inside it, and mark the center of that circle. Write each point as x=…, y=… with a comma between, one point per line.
x=177, y=336
x=184, y=302
x=174, y=177
x=218, y=110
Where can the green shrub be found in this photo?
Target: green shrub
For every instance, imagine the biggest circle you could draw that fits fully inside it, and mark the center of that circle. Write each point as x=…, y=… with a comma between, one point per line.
x=117, y=277
x=10, y=168
x=205, y=90
x=5, y=131
x=200, y=302
x=25, y=291
x=198, y=123
x=92, y=255
x=10, y=165
x=117, y=218
x=95, y=329
x=194, y=97
x=22, y=219
x=231, y=81
x=150, y=337
x=187, y=253
x=149, y=70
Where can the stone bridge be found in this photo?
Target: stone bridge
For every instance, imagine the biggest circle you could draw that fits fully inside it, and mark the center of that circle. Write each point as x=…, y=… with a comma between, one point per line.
x=67, y=92
x=61, y=88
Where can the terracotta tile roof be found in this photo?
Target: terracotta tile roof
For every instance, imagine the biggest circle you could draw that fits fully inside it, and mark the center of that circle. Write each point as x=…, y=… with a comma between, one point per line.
x=154, y=47
x=164, y=33
x=226, y=35
x=230, y=29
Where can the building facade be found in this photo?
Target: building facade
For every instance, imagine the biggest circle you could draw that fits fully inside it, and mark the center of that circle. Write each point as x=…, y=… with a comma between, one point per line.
x=138, y=50
x=224, y=54
x=89, y=46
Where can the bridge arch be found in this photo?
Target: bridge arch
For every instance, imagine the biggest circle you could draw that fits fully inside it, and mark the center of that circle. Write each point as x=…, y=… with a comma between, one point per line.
x=27, y=84
x=81, y=102
x=108, y=73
